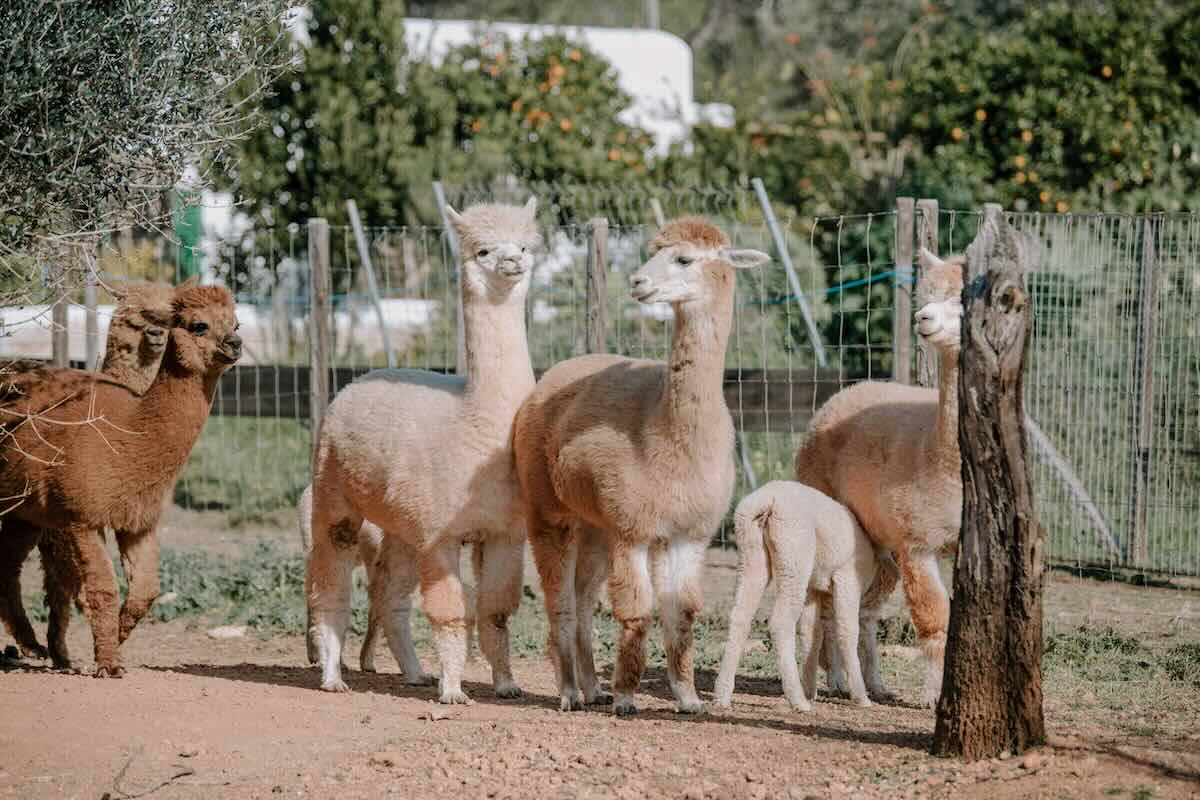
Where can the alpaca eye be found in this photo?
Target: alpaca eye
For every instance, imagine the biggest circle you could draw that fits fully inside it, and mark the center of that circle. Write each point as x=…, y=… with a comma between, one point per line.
x=198, y=328
x=483, y=252
x=684, y=260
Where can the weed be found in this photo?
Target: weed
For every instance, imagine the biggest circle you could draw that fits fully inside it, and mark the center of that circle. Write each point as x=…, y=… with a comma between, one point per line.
x=1182, y=663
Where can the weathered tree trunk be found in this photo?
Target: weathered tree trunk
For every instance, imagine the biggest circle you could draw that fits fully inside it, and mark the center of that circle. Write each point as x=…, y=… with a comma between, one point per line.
x=992, y=690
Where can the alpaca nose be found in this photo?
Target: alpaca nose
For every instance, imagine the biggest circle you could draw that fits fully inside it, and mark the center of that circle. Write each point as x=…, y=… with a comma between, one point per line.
x=155, y=333
x=637, y=282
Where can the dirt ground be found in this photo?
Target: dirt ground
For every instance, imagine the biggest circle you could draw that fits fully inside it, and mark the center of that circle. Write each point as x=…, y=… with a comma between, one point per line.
x=198, y=717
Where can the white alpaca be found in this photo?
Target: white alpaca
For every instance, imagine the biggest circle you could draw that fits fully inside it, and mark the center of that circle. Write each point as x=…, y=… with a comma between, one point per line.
x=428, y=458
x=626, y=467
x=393, y=621
x=818, y=556
x=890, y=453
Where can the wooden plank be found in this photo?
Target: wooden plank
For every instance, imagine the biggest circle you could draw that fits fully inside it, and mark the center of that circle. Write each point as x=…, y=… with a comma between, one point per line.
x=596, y=299
x=321, y=345
x=1138, y=552
x=902, y=288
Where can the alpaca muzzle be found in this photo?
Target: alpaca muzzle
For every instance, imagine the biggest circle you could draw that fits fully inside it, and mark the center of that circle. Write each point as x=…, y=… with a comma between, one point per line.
x=231, y=348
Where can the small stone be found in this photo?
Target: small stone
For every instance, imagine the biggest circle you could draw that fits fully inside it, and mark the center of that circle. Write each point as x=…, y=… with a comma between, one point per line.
x=167, y=599
x=434, y=713
x=189, y=752
x=227, y=632
x=1032, y=761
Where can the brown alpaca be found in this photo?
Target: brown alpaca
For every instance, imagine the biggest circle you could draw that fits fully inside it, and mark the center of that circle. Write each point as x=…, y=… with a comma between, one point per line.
x=137, y=339
x=85, y=452
x=890, y=453
x=626, y=467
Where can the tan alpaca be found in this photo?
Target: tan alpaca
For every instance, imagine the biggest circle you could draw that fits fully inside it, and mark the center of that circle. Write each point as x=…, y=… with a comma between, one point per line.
x=428, y=459
x=626, y=467
x=87, y=452
x=889, y=452
x=817, y=555
x=393, y=621
x=137, y=339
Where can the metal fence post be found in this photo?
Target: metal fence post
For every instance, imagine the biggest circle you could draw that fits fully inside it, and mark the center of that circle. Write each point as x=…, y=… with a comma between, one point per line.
x=91, y=325
x=927, y=236
x=60, y=351
x=902, y=292
x=596, y=316
x=321, y=346
x=786, y=257
x=364, y=255
x=460, y=346
x=1138, y=552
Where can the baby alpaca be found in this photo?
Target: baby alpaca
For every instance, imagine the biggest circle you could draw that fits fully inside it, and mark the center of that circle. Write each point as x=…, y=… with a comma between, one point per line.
x=814, y=549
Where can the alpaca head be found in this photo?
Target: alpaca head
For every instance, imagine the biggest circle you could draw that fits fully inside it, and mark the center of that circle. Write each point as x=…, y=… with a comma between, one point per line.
x=137, y=333
x=204, y=337
x=939, y=300
x=497, y=244
x=691, y=263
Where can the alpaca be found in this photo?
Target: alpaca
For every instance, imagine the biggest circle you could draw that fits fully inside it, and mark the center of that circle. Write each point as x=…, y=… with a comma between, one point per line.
x=396, y=623
x=626, y=467
x=85, y=452
x=889, y=452
x=814, y=549
x=137, y=339
x=428, y=458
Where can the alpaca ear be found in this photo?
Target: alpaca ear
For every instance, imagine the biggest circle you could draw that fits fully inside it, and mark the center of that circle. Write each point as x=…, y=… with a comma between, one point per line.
x=456, y=219
x=531, y=207
x=743, y=259
x=194, y=280
x=119, y=290
x=927, y=259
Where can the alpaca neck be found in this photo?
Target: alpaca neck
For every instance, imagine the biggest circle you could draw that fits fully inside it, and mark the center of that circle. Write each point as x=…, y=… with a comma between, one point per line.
x=498, y=369
x=696, y=376
x=125, y=366
x=946, y=430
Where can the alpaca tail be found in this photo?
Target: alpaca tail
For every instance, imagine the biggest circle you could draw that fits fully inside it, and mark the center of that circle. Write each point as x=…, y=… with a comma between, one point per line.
x=304, y=518
x=752, y=529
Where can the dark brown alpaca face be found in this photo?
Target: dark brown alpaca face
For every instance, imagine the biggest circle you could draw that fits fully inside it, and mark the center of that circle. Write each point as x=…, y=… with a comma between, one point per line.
x=205, y=338
x=152, y=326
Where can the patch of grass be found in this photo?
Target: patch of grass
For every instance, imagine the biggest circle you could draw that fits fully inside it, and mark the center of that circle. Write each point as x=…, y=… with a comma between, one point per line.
x=1182, y=663
x=1100, y=654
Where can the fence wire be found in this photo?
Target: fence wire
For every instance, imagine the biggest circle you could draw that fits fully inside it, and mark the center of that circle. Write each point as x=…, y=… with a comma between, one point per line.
x=1116, y=453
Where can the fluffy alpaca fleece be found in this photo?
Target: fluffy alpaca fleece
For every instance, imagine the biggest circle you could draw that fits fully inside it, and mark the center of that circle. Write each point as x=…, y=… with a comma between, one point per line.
x=389, y=611
x=626, y=468
x=817, y=555
x=428, y=459
x=890, y=453
x=137, y=339
x=85, y=452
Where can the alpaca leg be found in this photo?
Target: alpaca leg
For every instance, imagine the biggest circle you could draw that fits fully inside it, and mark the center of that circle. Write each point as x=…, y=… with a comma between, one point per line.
x=442, y=595
x=751, y=583
x=19, y=539
x=846, y=597
x=555, y=552
x=929, y=606
x=63, y=585
x=680, y=568
x=590, y=574
x=791, y=599
x=811, y=633
x=500, y=576
x=470, y=601
x=631, y=592
x=835, y=677
x=397, y=578
x=369, y=548
x=102, y=600
x=328, y=583
x=139, y=560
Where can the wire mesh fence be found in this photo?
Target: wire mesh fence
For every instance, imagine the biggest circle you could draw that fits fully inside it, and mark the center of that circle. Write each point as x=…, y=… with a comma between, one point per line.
x=1113, y=379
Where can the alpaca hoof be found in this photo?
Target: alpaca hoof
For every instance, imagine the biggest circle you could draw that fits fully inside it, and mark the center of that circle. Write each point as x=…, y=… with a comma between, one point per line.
x=109, y=671
x=454, y=698
x=367, y=666
x=862, y=702
x=800, y=704
x=419, y=679
x=338, y=685
x=570, y=701
x=929, y=697
x=34, y=650
x=882, y=696
x=722, y=705
x=310, y=645
x=508, y=690
x=624, y=707
x=598, y=698
x=690, y=707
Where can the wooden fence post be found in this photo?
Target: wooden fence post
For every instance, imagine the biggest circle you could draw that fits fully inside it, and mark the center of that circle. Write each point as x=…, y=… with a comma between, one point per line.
x=927, y=237
x=595, y=335
x=902, y=291
x=1138, y=550
x=321, y=340
x=460, y=336
x=91, y=325
x=60, y=339
x=991, y=698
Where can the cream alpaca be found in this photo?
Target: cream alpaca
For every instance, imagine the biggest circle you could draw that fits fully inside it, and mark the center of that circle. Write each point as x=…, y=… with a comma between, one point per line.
x=817, y=555
x=395, y=620
x=890, y=453
x=428, y=458
x=630, y=462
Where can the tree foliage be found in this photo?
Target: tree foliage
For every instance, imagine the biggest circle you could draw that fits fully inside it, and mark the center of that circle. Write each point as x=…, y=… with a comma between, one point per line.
x=104, y=105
